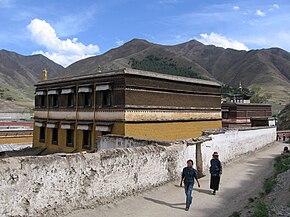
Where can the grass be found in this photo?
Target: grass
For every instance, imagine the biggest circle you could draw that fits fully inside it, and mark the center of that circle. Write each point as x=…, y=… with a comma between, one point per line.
x=235, y=214
x=261, y=210
x=269, y=184
x=282, y=164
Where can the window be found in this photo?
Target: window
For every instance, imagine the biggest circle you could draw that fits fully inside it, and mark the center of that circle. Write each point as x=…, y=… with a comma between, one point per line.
x=104, y=98
x=42, y=134
x=54, y=136
x=70, y=100
x=42, y=100
x=54, y=100
x=86, y=139
x=88, y=99
x=70, y=138
x=85, y=96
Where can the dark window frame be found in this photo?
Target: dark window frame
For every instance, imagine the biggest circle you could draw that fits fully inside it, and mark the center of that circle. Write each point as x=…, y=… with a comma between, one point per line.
x=70, y=134
x=55, y=101
x=86, y=144
x=88, y=100
x=42, y=134
x=104, y=98
x=70, y=100
x=54, y=137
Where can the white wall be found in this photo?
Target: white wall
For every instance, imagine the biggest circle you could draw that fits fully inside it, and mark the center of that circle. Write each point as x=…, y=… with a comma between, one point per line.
x=55, y=185
x=236, y=142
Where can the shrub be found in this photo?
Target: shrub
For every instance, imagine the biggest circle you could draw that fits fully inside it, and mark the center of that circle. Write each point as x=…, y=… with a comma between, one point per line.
x=261, y=210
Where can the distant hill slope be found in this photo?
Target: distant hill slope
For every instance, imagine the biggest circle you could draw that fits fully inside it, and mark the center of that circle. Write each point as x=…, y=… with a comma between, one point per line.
x=284, y=118
x=268, y=68
x=18, y=74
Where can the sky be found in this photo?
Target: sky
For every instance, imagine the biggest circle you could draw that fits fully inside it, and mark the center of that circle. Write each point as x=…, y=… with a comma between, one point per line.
x=66, y=31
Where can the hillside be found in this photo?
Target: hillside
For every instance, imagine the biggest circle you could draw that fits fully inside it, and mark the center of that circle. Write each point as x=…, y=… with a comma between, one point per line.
x=18, y=74
x=284, y=118
x=267, y=68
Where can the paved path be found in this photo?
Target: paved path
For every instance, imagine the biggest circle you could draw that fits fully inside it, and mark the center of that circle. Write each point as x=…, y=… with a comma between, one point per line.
x=241, y=180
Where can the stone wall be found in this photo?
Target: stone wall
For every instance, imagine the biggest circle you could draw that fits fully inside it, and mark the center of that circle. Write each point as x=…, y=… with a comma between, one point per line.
x=54, y=185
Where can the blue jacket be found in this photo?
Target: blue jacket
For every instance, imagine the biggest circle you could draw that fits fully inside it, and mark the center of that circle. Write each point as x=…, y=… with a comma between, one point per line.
x=189, y=174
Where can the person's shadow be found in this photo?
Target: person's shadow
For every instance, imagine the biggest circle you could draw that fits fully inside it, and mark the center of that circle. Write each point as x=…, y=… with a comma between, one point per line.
x=171, y=205
x=204, y=191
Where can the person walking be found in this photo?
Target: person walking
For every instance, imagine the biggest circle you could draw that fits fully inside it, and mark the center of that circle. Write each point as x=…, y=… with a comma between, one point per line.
x=188, y=176
x=215, y=172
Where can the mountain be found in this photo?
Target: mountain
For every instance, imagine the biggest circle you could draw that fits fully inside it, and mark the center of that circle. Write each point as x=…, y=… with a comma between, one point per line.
x=267, y=68
x=284, y=118
x=18, y=74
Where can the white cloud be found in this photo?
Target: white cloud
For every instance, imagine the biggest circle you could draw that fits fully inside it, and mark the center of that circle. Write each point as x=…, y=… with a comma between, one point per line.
x=260, y=13
x=63, y=52
x=120, y=42
x=221, y=41
x=276, y=6
x=236, y=8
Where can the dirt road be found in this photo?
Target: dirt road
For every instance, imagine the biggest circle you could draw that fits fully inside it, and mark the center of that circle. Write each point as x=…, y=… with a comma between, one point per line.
x=241, y=180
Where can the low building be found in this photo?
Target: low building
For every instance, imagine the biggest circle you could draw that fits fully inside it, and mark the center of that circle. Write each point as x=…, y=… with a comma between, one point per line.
x=246, y=115
x=71, y=112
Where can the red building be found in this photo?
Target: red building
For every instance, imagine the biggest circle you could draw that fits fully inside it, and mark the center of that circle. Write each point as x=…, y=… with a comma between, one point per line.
x=246, y=114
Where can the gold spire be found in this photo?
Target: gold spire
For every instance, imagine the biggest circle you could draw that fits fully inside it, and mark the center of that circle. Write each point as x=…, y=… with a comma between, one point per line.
x=44, y=74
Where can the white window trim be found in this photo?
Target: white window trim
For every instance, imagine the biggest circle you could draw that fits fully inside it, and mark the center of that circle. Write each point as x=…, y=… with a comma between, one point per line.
x=85, y=90
x=103, y=87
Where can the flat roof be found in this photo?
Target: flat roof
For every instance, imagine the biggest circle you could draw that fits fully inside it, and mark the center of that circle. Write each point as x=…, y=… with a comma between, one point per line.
x=128, y=71
x=246, y=104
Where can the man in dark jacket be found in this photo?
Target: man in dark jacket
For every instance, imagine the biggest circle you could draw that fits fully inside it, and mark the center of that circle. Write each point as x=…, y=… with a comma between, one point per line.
x=188, y=176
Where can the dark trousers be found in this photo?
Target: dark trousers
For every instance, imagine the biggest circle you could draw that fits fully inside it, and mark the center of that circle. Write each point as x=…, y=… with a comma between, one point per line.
x=214, y=182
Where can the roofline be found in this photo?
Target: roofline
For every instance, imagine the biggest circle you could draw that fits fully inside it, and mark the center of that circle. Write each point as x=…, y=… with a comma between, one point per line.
x=128, y=71
x=246, y=104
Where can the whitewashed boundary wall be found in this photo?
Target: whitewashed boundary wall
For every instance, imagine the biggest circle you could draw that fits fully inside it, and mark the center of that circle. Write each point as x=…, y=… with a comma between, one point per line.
x=236, y=142
x=54, y=185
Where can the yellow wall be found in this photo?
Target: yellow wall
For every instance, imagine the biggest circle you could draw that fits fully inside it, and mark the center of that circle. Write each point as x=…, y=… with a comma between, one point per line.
x=118, y=129
x=35, y=141
x=15, y=140
x=170, y=130
x=159, y=131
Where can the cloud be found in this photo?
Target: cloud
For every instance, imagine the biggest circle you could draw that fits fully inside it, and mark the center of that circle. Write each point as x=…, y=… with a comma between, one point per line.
x=276, y=6
x=236, y=8
x=221, y=41
x=120, y=42
x=63, y=52
x=260, y=13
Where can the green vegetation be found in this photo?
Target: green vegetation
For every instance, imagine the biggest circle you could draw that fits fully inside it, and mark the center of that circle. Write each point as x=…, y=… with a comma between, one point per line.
x=164, y=65
x=235, y=214
x=282, y=164
x=258, y=97
x=269, y=184
x=284, y=118
x=261, y=210
x=229, y=90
